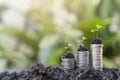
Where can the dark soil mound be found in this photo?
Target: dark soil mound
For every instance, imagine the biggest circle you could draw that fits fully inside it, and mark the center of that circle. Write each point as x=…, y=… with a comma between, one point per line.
x=96, y=41
x=81, y=48
x=68, y=55
x=39, y=72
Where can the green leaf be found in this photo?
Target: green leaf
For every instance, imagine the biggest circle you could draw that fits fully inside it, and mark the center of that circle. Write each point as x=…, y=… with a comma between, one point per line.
x=84, y=38
x=66, y=47
x=92, y=30
x=69, y=45
x=98, y=26
x=86, y=26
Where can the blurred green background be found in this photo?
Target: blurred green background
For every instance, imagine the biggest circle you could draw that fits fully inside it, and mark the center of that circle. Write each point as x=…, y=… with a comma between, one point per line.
x=33, y=31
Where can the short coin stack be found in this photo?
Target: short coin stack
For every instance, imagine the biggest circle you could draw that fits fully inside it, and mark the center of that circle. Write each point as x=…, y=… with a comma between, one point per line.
x=82, y=57
x=68, y=61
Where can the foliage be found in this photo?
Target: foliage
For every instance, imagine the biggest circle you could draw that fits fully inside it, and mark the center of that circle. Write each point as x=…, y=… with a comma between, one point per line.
x=49, y=39
x=97, y=28
x=9, y=58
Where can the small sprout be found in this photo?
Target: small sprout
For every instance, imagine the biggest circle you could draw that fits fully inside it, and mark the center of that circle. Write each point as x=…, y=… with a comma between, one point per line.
x=98, y=26
x=66, y=47
x=92, y=30
x=82, y=39
x=69, y=45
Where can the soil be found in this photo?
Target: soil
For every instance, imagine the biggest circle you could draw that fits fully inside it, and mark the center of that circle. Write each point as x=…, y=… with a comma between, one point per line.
x=96, y=41
x=39, y=72
x=81, y=48
x=68, y=55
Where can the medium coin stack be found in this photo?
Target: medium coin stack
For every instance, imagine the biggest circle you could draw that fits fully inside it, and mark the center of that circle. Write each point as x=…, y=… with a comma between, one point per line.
x=67, y=61
x=97, y=51
x=82, y=57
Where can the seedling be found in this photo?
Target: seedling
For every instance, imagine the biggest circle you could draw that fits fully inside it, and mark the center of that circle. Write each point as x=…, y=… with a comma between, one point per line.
x=97, y=50
x=82, y=40
x=68, y=47
x=82, y=56
x=96, y=30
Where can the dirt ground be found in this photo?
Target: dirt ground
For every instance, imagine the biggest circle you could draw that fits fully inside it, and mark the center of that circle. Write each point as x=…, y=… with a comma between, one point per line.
x=39, y=72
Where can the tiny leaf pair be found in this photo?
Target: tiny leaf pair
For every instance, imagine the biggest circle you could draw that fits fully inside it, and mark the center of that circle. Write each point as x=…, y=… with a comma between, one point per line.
x=98, y=27
x=82, y=39
x=69, y=45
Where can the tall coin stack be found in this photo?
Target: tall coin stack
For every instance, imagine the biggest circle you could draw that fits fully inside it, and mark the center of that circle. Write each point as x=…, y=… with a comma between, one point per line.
x=96, y=52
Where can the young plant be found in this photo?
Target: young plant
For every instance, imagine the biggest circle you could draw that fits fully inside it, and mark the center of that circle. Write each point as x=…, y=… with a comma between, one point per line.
x=82, y=55
x=68, y=59
x=68, y=47
x=67, y=62
x=82, y=40
x=96, y=30
x=97, y=50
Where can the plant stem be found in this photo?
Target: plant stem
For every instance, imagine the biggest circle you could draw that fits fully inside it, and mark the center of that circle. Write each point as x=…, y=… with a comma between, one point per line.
x=97, y=35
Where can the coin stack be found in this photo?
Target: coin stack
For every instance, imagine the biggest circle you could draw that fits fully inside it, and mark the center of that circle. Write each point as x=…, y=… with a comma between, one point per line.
x=96, y=52
x=83, y=57
x=67, y=61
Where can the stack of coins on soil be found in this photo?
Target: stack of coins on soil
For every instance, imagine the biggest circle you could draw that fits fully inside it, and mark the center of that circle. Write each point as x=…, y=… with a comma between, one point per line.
x=67, y=61
x=97, y=52
x=83, y=57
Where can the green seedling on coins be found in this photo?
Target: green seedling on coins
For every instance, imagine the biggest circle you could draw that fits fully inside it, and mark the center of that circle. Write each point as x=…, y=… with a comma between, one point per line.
x=97, y=50
x=82, y=56
x=96, y=30
x=68, y=59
